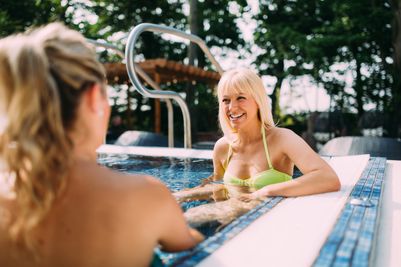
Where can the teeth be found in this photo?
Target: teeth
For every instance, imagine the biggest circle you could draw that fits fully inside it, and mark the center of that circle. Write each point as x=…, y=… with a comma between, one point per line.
x=236, y=116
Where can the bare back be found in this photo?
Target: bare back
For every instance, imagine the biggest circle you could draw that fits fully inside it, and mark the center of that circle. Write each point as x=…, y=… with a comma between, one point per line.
x=105, y=219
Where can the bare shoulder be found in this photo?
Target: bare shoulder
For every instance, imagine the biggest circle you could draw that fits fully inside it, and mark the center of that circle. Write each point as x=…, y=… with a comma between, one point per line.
x=123, y=203
x=142, y=195
x=101, y=180
x=286, y=139
x=221, y=148
x=221, y=145
x=282, y=134
x=140, y=184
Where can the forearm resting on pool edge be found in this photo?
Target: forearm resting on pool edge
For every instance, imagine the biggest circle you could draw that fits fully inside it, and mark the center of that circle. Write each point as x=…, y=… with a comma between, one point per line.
x=308, y=184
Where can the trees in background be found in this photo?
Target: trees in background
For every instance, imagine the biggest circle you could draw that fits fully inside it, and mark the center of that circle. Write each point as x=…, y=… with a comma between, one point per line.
x=327, y=40
x=16, y=16
x=282, y=27
x=211, y=20
x=112, y=20
x=395, y=70
x=115, y=19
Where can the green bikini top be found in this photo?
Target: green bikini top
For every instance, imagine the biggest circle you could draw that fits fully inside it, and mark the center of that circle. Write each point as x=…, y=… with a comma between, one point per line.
x=267, y=177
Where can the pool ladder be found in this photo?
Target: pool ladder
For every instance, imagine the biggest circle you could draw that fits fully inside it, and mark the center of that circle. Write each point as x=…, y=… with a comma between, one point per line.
x=147, y=79
x=132, y=67
x=134, y=70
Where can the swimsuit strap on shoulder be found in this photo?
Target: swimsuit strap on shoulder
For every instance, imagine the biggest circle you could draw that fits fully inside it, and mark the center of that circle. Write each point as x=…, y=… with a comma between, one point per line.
x=265, y=145
x=229, y=154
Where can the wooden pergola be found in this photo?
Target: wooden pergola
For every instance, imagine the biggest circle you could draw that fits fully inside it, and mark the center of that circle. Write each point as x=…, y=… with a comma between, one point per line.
x=161, y=71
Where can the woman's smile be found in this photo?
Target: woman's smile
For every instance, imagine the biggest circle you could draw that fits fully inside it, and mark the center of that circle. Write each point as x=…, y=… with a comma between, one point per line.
x=239, y=108
x=235, y=117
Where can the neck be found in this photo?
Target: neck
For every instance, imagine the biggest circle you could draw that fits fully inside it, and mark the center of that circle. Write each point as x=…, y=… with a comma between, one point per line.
x=84, y=149
x=81, y=154
x=250, y=134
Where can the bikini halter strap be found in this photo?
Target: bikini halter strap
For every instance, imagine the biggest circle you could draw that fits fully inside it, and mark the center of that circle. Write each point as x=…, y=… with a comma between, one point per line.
x=230, y=150
x=229, y=154
x=262, y=129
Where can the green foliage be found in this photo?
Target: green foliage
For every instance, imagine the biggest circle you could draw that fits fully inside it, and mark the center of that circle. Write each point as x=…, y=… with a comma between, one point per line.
x=219, y=24
x=295, y=122
x=122, y=16
x=216, y=26
x=327, y=39
x=16, y=16
x=112, y=20
x=324, y=39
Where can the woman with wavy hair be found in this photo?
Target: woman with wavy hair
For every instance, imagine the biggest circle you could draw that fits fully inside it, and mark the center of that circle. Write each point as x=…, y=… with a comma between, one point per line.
x=58, y=207
x=255, y=158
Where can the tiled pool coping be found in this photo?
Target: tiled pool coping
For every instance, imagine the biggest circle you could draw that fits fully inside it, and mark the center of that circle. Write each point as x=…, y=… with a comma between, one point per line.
x=206, y=248
x=211, y=244
x=354, y=231
x=351, y=241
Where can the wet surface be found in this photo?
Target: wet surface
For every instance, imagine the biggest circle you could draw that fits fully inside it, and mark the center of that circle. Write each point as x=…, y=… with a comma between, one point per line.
x=176, y=173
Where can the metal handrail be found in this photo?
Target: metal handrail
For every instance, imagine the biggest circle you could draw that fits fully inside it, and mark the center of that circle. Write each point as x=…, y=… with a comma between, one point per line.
x=131, y=66
x=146, y=78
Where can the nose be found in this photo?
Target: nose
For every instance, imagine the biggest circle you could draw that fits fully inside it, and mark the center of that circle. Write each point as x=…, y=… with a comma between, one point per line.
x=232, y=105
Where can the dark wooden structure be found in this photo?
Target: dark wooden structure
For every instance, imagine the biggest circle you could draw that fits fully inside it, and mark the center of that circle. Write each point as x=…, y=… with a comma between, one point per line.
x=161, y=71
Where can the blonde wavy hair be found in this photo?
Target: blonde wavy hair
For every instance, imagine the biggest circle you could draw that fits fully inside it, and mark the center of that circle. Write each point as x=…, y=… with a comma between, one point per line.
x=243, y=80
x=43, y=74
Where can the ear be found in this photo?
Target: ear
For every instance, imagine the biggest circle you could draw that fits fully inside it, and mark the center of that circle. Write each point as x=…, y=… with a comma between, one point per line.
x=94, y=98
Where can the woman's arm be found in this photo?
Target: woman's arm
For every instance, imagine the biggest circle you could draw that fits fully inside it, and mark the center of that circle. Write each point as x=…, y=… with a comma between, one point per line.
x=220, y=151
x=206, y=191
x=318, y=176
x=175, y=234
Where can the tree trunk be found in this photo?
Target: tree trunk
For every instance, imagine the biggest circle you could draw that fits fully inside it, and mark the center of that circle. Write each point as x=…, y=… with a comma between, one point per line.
x=275, y=96
x=193, y=52
x=396, y=88
x=358, y=87
x=128, y=111
x=194, y=28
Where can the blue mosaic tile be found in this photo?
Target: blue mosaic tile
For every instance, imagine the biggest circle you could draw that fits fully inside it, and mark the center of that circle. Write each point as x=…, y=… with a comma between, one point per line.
x=211, y=244
x=351, y=240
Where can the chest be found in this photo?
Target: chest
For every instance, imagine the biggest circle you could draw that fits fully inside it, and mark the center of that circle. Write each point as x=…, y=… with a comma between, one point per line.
x=246, y=164
x=252, y=160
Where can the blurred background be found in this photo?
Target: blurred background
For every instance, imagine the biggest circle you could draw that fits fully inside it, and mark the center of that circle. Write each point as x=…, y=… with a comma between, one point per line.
x=330, y=67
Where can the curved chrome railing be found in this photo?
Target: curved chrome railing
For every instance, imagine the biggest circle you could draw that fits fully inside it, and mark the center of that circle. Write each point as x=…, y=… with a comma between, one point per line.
x=146, y=78
x=132, y=74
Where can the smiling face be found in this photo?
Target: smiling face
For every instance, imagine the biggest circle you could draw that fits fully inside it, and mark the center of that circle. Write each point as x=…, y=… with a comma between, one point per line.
x=242, y=100
x=240, y=108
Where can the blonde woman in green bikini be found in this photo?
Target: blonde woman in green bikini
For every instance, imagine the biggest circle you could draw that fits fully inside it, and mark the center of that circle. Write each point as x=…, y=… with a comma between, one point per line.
x=254, y=158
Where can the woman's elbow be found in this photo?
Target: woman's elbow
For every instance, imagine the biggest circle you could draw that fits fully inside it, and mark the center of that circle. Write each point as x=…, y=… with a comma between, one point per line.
x=335, y=184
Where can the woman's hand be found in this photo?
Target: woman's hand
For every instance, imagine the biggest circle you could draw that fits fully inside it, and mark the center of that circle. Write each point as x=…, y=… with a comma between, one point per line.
x=196, y=235
x=220, y=192
x=207, y=180
x=247, y=197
